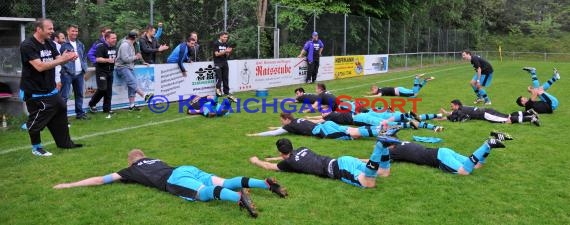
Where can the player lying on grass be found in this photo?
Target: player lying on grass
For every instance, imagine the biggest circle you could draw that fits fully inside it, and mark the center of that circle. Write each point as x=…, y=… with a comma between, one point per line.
x=547, y=103
x=374, y=119
x=447, y=159
x=400, y=91
x=208, y=106
x=187, y=182
x=327, y=129
x=348, y=169
x=461, y=113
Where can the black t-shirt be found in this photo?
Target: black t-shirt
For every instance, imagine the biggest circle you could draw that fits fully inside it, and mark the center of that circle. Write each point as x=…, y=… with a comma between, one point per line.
x=316, y=50
x=473, y=112
x=300, y=126
x=105, y=51
x=148, y=172
x=415, y=153
x=387, y=91
x=328, y=99
x=303, y=160
x=307, y=98
x=344, y=118
x=477, y=62
x=538, y=106
x=33, y=81
x=219, y=46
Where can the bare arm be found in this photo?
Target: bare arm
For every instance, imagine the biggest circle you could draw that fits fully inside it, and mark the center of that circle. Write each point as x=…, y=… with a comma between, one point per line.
x=278, y=158
x=59, y=60
x=92, y=181
x=303, y=52
x=534, y=94
x=263, y=164
x=104, y=60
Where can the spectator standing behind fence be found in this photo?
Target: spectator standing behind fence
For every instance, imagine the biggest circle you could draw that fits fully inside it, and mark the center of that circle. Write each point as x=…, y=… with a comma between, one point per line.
x=137, y=46
x=314, y=50
x=58, y=38
x=125, y=64
x=37, y=88
x=72, y=73
x=194, y=53
x=222, y=51
x=91, y=53
x=181, y=54
x=149, y=45
x=105, y=55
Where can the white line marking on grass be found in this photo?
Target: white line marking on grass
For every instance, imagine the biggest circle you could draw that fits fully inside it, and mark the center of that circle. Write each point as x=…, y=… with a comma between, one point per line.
x=181, y=118
x=100, y=133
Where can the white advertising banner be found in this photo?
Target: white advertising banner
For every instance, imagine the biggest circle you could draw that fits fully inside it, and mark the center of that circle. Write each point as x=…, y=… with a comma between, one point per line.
x=166, y=80
x=375, y=64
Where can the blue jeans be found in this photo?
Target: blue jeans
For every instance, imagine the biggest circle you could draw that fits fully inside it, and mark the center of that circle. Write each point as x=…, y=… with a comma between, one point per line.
x=77, y=81
x=129, y=76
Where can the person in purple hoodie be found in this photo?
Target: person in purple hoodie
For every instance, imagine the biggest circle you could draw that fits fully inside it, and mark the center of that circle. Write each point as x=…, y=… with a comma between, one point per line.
x=93, y=49
x=314, y=50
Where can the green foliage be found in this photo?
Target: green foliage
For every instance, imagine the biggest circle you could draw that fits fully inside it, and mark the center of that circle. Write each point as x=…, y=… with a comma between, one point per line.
x=531, y=43
x=546, y=27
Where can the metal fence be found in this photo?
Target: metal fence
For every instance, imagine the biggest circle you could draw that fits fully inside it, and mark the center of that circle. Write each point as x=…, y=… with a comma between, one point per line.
x=284, y=32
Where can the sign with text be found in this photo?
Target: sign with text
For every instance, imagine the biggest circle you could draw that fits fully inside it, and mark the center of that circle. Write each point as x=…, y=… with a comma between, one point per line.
x=348, y=66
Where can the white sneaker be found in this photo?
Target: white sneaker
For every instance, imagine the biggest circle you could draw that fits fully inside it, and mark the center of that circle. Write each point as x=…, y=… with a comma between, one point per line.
x=488, y=103
x=478, y=100
x=438, y=129
x=41, y=152
x=556, y=74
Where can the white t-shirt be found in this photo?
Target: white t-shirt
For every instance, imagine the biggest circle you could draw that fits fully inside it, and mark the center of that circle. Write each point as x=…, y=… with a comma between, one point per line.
x=57, y=68
x=78, y=68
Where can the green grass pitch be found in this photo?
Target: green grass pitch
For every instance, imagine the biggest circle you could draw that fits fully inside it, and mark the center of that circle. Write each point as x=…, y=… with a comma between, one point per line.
x=525, y=183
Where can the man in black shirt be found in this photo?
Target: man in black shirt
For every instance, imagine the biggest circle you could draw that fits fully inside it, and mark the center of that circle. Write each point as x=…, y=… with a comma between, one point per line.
x=482, y=78
x=324, y=98
x=306, y=98
x=327, y=129
x=400, y=91
x=447, y=159
x=461, y=113
x=222, y=51
x=547, y=103
x=38, y=88
x=187, y=182
x=345, y=168
x=105, y=54
x=149, y=45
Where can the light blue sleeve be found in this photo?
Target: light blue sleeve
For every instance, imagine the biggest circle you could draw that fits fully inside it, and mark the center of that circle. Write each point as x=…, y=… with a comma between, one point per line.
x=158, y=33
x=279, y=131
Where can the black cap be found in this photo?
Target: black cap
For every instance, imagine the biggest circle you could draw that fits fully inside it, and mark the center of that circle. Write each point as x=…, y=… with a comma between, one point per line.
x=132, y=35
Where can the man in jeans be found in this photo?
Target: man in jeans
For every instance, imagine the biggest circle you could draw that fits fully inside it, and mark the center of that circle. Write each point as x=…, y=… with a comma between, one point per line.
x=125, y=64
x=72, y=72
